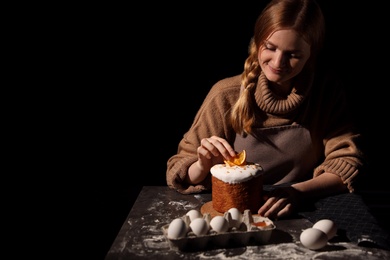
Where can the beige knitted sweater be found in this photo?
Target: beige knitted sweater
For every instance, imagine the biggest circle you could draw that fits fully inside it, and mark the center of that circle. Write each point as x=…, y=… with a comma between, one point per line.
x=321, y=109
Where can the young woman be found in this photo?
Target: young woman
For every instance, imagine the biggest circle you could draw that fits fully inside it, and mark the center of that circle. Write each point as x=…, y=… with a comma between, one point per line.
x=289, y=115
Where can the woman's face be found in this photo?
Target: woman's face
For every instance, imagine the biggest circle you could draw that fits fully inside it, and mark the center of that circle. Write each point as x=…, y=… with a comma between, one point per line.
x=283, y=55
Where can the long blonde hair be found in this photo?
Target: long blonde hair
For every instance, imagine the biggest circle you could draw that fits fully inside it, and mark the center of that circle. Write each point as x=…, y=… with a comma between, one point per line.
x=303, y=16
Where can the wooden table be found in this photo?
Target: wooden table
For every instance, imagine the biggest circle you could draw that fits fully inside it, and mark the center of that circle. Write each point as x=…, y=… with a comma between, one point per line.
x=141, y=236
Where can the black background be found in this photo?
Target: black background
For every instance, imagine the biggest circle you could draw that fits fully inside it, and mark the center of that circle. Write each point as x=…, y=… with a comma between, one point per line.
x=134, y=76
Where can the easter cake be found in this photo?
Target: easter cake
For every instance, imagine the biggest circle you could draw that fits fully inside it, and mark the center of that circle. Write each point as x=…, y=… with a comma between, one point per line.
x=237, y=184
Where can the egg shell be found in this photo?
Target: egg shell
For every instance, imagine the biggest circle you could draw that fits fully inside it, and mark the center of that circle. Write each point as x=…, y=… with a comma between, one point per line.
x=327, y=226
x=193, y=214
x=199, y=226
x=177, y=229
x=219, y=224
x=236, y=216
x=313, y=238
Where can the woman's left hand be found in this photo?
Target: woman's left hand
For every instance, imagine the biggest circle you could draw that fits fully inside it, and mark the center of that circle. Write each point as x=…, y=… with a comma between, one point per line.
x=280, y=202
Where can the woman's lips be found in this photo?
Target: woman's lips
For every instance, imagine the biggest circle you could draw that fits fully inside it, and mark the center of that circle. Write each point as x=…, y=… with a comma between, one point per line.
x=275, y=71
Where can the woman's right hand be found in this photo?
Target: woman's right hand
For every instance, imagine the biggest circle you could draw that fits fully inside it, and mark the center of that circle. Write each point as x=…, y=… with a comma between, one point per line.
x=212, y=150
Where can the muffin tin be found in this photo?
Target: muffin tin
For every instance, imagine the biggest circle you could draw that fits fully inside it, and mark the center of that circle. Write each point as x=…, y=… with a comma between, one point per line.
x=253, y=230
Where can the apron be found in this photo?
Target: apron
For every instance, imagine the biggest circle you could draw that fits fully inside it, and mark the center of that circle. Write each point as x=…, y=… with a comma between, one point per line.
x=285, y=153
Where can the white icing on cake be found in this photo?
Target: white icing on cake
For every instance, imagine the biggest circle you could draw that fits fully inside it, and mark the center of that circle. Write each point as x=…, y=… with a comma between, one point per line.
x=236, y=174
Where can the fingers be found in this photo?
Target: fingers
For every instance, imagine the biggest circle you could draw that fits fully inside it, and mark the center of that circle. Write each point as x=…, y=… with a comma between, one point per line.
x=277, y=204
x=204, y=152
x=216, y=146
x=272, y=207
x=286, y=211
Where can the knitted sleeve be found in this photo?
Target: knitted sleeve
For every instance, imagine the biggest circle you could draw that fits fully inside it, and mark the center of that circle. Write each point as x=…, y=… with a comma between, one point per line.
x=343, y=143
x=211, y=119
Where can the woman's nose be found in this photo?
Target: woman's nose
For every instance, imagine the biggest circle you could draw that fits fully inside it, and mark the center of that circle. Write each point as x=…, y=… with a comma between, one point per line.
x=280, y=60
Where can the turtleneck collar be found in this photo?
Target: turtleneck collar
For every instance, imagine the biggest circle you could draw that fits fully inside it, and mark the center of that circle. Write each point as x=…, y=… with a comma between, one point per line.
x=272, y=103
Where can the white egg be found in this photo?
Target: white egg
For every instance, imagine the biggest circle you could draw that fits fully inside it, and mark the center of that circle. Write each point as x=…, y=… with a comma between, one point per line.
x=327, y=226
x=193, y=214
x=236, y=217
x=313, y=238
x=177, y=229
x=236, y=214
x=219, y=224
x=199, y=226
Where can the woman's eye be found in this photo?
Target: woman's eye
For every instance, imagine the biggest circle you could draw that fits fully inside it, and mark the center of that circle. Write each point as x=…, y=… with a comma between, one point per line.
x=294, y=56
x=269, y=47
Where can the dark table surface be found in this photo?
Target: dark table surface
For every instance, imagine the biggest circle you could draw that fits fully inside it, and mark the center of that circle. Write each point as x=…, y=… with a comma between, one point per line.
x=142, y=237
